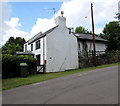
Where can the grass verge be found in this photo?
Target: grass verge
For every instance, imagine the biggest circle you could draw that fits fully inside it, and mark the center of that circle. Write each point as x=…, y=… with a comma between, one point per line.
x=16, y=82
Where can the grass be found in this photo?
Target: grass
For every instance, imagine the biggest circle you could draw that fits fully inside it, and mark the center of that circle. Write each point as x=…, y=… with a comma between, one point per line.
x=16, y=82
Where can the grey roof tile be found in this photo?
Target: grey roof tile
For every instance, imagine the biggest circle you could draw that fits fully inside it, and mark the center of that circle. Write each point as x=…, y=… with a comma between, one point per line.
x=41, y=35
x=88, y=37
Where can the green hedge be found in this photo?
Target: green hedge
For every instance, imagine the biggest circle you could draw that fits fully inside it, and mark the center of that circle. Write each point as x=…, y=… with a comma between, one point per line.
x=107, y=58
x=10, y=65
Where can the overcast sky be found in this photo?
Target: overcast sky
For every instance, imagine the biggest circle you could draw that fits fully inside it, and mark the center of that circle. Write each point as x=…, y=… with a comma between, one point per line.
x=25, y=19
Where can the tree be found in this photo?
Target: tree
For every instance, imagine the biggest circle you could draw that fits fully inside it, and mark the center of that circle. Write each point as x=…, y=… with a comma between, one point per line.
x=82, y=30
x=112, y=34
x=11, y=49
x=13, y=45
x=17, y=40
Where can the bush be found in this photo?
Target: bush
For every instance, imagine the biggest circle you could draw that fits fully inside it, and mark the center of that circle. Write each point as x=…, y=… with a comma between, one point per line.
x=107, y=58
x=10, y=64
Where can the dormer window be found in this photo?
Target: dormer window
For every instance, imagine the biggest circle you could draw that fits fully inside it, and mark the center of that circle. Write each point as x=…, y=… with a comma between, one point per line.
x=38, y=44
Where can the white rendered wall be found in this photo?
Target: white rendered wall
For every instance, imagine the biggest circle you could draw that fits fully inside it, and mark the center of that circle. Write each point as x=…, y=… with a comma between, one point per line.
x=38, y=51
x=99, y=46
x=61, y=50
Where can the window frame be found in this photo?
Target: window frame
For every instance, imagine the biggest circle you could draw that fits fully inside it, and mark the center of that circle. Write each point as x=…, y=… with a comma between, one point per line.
x=37, y=44
x=32, y=47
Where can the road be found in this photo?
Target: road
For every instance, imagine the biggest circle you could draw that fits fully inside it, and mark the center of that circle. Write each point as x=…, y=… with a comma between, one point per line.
x=93, y=87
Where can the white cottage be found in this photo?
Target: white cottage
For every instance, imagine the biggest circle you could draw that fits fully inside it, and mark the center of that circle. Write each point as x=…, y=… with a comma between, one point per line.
x=56, y=48
x=85, y=44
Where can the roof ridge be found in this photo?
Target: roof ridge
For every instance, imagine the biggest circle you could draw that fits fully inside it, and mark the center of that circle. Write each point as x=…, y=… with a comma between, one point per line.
x=88, y=36
x=42, y=34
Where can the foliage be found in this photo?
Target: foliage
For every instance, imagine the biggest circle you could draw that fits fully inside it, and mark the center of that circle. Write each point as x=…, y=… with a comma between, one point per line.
x=13, y=45
x=10, y=64
x=17, y=40
x=11, y=48
x=112, y=34
x=82, y=30
x=107, y=58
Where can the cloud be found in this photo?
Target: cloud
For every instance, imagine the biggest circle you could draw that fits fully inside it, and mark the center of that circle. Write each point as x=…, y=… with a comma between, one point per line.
x=78, y=13
x=42, y=25
x=12, y=28
x=9, y=27
x=5, y=10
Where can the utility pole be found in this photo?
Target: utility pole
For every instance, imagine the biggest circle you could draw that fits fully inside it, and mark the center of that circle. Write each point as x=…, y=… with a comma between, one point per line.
x=93, y=35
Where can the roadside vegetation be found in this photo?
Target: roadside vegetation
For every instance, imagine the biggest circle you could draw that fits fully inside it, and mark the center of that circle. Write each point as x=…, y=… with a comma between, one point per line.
x=16, y=82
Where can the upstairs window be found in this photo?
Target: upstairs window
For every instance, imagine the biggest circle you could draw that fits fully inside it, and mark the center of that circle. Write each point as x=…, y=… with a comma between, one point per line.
x=31, y=47
x=37, y=44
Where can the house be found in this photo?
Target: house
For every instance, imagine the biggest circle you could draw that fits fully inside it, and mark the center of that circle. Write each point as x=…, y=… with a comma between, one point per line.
x=58, y=48
x=85, y=44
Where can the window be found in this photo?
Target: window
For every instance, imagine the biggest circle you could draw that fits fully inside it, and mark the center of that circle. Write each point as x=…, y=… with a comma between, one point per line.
x=31, y=47
x=38, y=44
x=25, y=47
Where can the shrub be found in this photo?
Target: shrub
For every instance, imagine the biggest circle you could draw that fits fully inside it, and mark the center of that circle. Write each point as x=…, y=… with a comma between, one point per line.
x=107, y=58
x=10, y=64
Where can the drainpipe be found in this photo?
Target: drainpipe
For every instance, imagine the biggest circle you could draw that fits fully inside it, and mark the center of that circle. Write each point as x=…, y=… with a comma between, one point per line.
x=44, y=61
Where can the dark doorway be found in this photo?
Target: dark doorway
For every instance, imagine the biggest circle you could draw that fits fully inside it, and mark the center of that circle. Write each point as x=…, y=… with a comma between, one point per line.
x=38, y=59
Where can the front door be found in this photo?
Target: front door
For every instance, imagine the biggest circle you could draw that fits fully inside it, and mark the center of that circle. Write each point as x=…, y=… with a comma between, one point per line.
x=38, y=59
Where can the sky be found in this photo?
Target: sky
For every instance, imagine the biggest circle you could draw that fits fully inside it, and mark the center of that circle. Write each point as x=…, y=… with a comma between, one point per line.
x=25, y=19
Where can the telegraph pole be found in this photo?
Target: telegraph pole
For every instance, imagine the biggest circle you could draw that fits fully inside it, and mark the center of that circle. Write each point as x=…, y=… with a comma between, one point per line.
x=93, y=35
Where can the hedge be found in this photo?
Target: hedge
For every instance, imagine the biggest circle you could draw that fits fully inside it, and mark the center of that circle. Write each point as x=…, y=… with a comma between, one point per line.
x=11, y=65
x=107, y=58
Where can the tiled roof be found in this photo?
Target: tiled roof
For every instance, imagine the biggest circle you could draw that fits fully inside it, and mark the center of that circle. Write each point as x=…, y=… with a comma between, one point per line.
x=41, y=35
x=88, y=37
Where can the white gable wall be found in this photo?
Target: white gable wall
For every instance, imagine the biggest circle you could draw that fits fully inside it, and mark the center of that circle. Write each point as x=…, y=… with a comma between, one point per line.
x=61, y=50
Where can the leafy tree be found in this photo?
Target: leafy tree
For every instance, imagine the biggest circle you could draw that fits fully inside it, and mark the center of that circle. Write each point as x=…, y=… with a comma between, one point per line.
x=13, y=45
x=82, y=30
x=11, y=48
x=20, y=41
x=112, y=34
x=17, y=40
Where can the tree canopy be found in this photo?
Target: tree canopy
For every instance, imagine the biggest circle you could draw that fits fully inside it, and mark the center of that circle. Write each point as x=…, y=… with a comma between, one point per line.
x=82, y=30
x=13, y=45
x=112, y=34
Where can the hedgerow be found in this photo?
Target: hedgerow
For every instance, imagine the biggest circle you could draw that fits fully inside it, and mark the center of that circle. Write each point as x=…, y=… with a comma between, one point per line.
x=11, y=64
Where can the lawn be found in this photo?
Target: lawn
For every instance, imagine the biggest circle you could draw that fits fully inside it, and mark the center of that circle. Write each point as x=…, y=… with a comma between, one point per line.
x=16, y=82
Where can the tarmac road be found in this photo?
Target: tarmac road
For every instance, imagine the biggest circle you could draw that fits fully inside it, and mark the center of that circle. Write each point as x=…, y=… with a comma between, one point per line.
x=93, y=87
